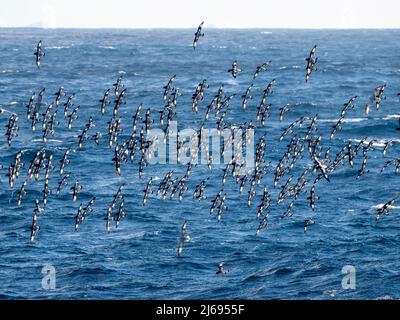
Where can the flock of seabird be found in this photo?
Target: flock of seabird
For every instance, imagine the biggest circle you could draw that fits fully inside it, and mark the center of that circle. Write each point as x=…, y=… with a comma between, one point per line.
x=320, y=163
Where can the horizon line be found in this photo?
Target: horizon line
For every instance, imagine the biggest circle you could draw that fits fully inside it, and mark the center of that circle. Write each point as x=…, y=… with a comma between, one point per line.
x=194, y=28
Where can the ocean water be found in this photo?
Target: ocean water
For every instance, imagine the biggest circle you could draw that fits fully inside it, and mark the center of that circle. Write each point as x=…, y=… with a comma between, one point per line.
x=138, y=260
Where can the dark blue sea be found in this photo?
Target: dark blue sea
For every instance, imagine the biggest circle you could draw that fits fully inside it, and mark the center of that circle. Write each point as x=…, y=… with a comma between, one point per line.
x=138, y=260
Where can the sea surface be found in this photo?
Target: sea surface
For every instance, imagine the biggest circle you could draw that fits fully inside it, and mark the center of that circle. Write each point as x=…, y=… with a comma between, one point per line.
x=138, y=260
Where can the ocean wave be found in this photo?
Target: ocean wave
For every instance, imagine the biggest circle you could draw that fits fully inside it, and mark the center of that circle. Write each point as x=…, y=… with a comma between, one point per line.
x=376, y=142
x=58, y=47
x=391, y=116
x=349, y=120
x=107, y=47
x=266, y=32
x=292, y=67
x=387, y=297
x=132, y=235
x=48, y=140
x=231, y=82
x=354, y=120
x=14, y=71
x=379, y=144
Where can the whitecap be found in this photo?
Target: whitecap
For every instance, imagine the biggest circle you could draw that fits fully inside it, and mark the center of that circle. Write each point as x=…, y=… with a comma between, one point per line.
x=13, y=102
x=376, y=142
x=266, y=32
x=48, y=140
x=232, y=82
x=58, y=47
x=379, y=144
x=391, y=116
x=139, y=234
x=54, y=140
x=107, y=47
x=350, y=120
x=354, y=120
x=385, y=298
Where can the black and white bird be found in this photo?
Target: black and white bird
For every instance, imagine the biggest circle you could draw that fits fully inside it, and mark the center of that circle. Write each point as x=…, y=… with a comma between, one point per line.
x=261, y=68
x=234, y=69
x=311, y=63
x=307, y=223
x=221, y=269
x=198, y=34
x=39, y=54
x=183, y=237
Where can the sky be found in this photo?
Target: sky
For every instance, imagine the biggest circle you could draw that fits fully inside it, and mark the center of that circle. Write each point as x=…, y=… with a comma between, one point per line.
x=188, y=14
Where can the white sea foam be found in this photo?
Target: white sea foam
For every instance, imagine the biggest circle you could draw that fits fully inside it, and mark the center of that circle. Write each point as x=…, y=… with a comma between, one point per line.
x=11, y=71
x=391, y=116
x=387, y=297
x=139, y=234
x=379, y=144
x=349, y=120
x=293, y=67
x=107, y=47
x=376, y=142
x=48, y=140
x=58, y=47
x=355, y=120
x=232, y=82
x=266, y=32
